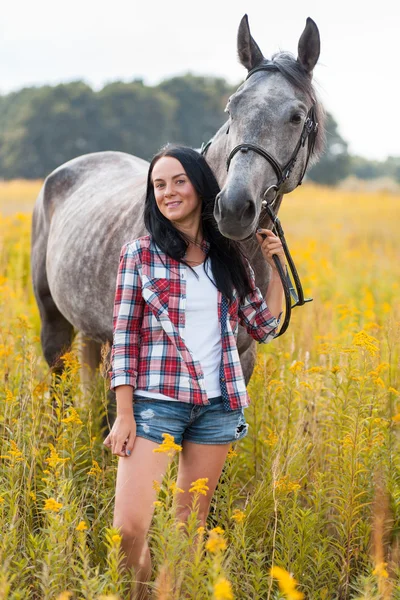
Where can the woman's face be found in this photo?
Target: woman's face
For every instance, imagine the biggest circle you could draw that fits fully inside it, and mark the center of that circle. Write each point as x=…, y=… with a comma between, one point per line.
x=175, y=195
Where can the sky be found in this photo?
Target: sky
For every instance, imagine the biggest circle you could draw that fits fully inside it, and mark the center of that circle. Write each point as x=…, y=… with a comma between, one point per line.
x=357, y=76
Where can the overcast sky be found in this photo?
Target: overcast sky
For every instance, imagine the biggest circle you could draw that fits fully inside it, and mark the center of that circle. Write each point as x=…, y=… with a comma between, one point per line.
x=101, y=41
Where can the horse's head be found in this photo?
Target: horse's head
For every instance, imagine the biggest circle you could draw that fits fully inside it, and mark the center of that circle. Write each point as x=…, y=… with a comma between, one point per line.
x=271, y=134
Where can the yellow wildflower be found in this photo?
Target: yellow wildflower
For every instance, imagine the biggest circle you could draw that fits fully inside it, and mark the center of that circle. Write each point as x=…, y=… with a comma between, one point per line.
x=347, y=441
x=71, y=362
x=215, y=543
x=116, y=539
x=335, y=369
x=306, y=385
x=52, y=505
x=287, y=583
x=396, y=418
x=1, y=500
x=15, y=452
x=175, y=489
x=201, y=530
x=272, y=439
x=296, y=366
x=64, y=595
x=168, y=445
x=72, y=418
x=316, y=370
x=200, y=486
x=380, y=570
x=157, y=503
x=9, y=396
x=95, y=470
x=223, y=589
x=217, y=530
x=81, y=526
x=285, y=485
x=231, y=453
x=156, y=485
x=367, y=342
x=54, y=459
x=392, y=390
x=379, y=382
x=238, y=515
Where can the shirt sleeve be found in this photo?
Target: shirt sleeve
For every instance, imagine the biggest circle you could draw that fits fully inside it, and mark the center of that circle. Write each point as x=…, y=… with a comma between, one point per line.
x=255, y=315
x=127, y=321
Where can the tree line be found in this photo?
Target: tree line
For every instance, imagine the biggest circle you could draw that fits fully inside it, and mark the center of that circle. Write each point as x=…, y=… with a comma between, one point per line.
x=43, y=127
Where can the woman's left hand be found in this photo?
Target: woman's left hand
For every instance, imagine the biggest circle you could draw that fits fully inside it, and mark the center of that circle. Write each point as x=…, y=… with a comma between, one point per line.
x=270, y=245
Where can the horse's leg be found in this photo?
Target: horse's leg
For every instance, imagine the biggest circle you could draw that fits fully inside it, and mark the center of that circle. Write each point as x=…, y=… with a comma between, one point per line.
x=93, y=354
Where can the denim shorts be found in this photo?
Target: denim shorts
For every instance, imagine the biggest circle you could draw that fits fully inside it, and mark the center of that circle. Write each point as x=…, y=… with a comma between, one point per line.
x=209, y=424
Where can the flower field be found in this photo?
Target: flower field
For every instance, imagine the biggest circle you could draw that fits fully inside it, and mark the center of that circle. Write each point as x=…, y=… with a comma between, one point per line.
x=308, y=505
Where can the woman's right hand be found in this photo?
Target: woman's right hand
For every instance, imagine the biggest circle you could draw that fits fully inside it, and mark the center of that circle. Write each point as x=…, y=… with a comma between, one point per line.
x=122, y=435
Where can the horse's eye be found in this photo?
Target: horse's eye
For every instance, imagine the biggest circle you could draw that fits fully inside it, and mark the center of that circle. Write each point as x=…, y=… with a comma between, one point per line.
x=296, y=118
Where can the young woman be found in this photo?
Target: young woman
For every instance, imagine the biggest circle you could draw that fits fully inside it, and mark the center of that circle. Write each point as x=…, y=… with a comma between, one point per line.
x=181, y=292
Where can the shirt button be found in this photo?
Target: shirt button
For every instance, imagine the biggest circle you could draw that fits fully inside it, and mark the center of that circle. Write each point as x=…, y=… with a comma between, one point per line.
x=183, y=276
x=222, y=378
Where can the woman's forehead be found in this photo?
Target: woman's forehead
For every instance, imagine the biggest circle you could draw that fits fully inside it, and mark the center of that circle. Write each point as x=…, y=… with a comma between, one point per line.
x=167, y=166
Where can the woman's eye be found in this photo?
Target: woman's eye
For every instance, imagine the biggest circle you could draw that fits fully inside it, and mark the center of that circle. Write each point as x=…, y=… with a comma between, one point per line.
x=158, y=185
x=296, y=118
x=180, y=181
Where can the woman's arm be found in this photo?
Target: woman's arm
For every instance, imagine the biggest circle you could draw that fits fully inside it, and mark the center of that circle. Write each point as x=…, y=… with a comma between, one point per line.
x=127, y=323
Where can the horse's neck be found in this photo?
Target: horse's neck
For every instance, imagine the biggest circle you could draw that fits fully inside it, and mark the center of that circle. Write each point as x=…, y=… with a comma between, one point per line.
x=217, y=154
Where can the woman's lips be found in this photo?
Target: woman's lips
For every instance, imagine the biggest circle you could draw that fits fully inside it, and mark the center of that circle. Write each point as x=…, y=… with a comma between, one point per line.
x=173, y=204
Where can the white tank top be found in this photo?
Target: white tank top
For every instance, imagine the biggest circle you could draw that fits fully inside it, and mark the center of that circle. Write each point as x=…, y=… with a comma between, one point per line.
x=202, y=333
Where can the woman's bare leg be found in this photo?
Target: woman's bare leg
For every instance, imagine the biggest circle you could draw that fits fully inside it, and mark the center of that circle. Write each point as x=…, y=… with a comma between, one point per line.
x=133, y=511
x=197, y=461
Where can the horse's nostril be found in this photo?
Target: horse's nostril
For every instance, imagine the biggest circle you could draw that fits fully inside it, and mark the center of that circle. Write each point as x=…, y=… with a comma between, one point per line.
x=248, y=213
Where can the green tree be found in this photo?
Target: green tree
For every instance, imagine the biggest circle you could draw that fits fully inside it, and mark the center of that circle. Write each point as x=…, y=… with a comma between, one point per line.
x=334, y=165
x=134, y=118
x=200, y=107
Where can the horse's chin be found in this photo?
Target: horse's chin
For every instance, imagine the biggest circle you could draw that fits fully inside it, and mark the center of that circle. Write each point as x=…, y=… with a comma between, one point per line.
x=236, y=233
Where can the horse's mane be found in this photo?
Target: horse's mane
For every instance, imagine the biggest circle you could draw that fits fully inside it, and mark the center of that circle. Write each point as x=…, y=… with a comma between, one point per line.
x=294, y=73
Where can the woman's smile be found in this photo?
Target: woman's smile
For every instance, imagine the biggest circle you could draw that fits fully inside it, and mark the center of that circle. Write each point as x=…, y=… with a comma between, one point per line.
x=175, y=195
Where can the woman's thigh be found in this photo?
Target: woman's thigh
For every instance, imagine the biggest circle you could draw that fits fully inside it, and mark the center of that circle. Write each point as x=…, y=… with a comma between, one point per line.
x=135, y=494
x=198, y=461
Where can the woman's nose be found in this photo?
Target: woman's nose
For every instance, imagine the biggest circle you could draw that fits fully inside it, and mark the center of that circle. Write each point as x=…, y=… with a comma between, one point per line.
x=168, y=190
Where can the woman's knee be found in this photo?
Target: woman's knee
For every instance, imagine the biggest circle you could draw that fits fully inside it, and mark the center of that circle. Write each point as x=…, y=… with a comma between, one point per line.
x=131, y=530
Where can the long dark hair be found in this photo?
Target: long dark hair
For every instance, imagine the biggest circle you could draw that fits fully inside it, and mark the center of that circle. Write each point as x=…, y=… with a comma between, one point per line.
x=228, y=261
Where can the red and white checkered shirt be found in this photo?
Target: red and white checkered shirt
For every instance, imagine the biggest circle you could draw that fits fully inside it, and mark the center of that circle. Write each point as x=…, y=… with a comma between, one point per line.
x=148, y=349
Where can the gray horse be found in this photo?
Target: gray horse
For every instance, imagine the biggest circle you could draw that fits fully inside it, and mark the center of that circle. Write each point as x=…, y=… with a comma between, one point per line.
x=90, y=206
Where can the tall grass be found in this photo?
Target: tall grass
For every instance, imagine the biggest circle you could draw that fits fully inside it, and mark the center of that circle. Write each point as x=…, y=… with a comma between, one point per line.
x=315, y=486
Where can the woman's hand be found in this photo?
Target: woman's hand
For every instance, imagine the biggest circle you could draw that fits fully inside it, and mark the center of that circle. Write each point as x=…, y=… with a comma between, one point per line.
x=270, y=245
x=122, y=435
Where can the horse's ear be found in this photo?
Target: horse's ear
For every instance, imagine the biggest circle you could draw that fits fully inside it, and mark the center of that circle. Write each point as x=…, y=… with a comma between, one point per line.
x=309, y=47
x=249, y=53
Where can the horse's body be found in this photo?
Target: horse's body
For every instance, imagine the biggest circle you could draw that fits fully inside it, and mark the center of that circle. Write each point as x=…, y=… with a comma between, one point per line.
x=89, y=207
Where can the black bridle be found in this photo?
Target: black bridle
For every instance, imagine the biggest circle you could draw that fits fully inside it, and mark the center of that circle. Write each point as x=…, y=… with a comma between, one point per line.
x=308, y=135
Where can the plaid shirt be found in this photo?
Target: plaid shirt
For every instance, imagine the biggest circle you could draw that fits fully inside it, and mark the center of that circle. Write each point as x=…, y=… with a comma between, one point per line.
x=149, y=349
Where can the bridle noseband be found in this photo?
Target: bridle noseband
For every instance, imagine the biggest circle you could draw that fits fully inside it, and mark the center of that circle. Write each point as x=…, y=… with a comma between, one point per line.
x=308, y=134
